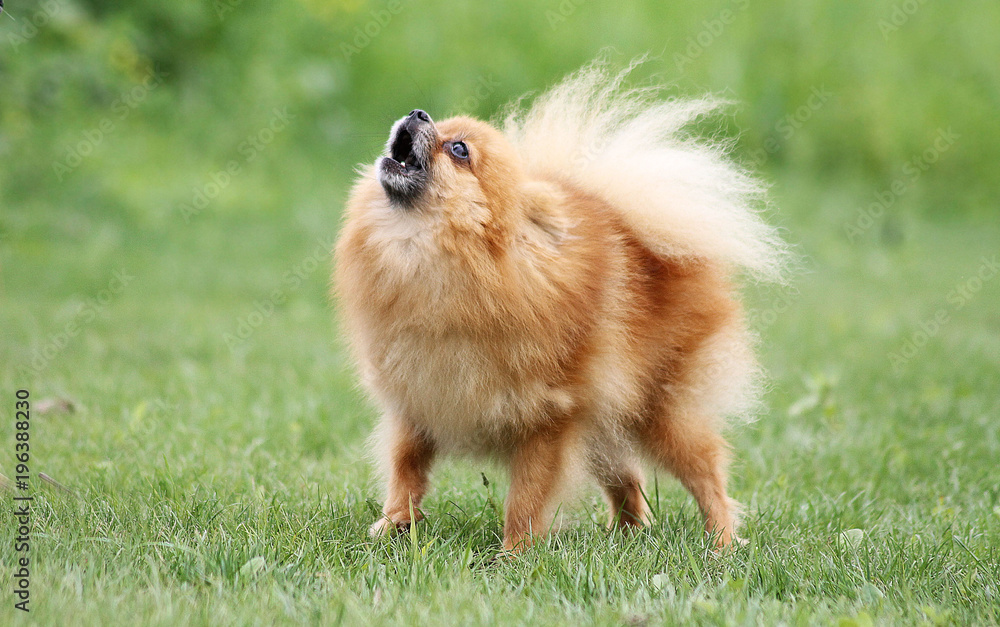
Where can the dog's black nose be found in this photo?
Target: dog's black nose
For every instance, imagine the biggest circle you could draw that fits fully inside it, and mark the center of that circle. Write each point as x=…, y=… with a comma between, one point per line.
x=420, y=114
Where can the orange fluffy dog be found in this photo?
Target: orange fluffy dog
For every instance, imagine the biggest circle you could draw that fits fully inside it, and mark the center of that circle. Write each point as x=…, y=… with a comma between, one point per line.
x=560, y=291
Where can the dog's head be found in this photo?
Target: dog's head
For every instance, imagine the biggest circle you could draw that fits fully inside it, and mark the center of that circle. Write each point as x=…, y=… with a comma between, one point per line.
x=460, y=165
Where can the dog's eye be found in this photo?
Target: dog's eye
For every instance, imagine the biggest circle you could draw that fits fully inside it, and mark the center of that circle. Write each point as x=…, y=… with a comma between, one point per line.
x=460, y=150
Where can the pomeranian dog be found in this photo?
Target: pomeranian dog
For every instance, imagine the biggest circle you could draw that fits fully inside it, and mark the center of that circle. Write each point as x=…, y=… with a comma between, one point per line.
x=558, y=295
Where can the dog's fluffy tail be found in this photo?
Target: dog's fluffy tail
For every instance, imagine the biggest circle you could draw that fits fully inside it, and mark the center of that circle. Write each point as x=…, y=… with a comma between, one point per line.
x=680, y=194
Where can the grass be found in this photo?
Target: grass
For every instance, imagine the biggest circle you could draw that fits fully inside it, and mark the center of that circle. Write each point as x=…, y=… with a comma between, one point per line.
x=228, y=484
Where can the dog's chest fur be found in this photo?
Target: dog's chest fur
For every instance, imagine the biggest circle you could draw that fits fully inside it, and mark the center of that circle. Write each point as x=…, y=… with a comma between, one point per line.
x=463, y=369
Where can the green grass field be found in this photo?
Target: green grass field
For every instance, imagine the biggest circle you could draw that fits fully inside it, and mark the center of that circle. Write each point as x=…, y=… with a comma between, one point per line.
x=214, y=458
x=219, y=485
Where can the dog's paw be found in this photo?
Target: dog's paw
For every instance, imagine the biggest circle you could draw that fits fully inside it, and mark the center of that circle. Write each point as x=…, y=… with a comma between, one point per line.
x=629, y=523
x=385, y=527
x=735, y=543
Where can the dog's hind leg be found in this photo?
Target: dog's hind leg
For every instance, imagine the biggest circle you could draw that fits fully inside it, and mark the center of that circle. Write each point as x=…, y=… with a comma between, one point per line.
x=620, y=477
x=693, y=450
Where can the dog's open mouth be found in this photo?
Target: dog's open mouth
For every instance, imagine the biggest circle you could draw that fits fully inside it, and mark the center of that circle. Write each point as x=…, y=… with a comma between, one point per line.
x=403, y=172
x=402, y=151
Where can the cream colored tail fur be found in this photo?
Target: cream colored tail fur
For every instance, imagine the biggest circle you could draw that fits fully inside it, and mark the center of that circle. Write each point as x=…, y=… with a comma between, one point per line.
x=682, y=195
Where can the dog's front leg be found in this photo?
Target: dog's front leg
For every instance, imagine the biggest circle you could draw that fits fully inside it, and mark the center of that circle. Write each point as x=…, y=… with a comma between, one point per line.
x=537, y=469
x=407, y=455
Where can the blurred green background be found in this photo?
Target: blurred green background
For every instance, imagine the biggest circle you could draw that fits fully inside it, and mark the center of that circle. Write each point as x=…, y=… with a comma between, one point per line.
x=346, y=70
x=171, y=181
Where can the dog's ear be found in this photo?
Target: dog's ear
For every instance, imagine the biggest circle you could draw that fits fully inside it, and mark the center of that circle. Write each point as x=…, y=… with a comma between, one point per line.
x=544, y=207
